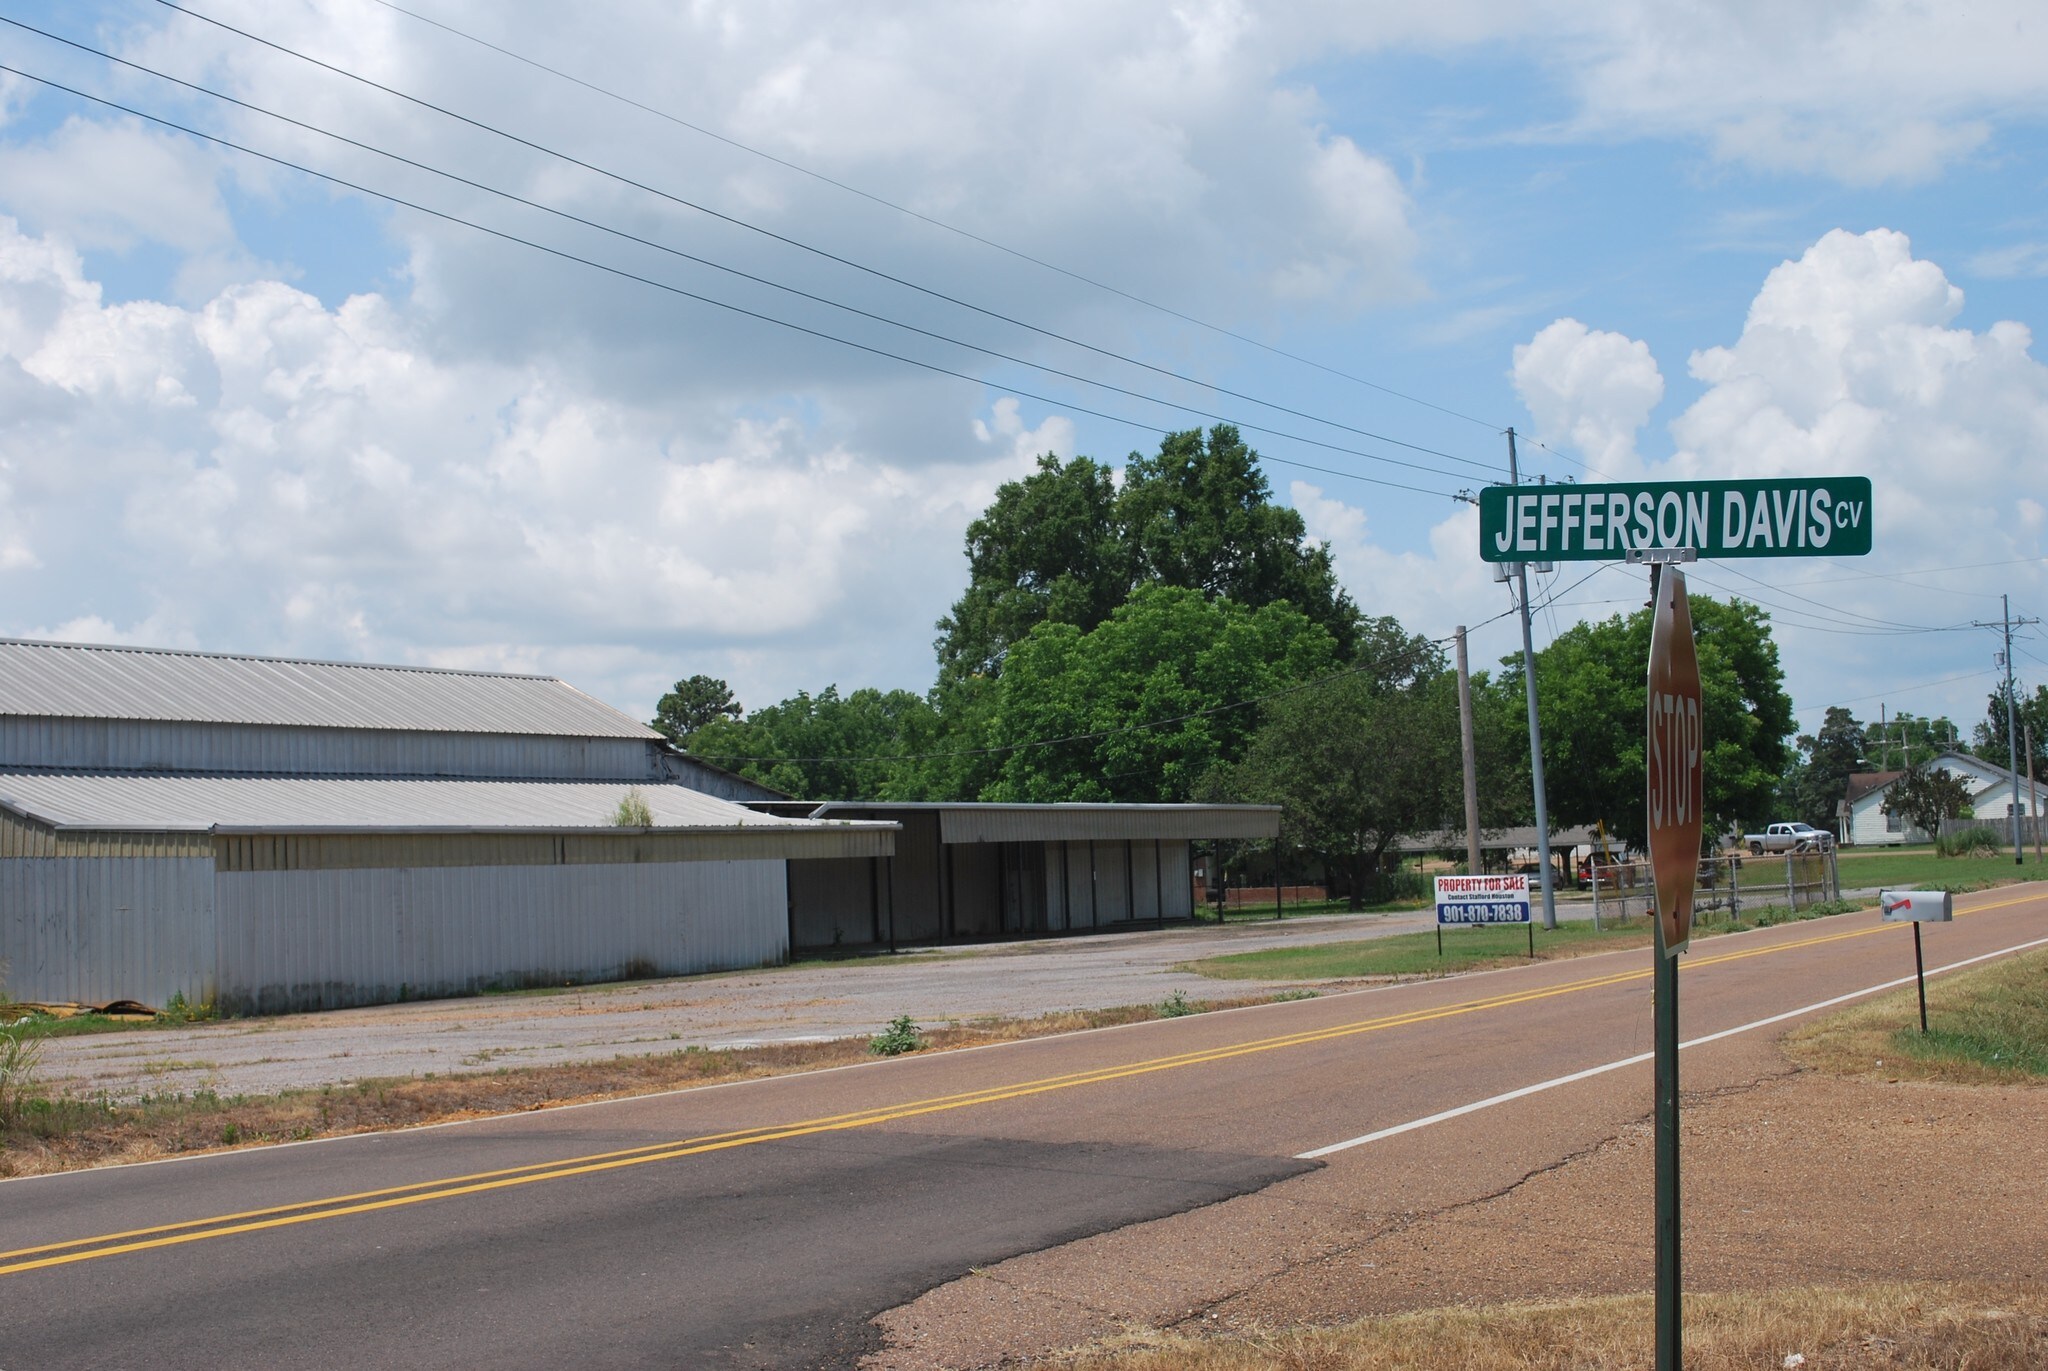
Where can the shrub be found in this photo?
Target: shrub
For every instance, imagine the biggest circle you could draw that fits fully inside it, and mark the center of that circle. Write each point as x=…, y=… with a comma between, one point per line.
x=1982, y=840
x=1176, y=1006
x=899, y=1037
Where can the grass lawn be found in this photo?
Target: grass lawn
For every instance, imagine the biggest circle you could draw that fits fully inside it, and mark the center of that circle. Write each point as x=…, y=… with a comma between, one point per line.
x=1466, y=949
x=1920, y=869
x=1989, y=1024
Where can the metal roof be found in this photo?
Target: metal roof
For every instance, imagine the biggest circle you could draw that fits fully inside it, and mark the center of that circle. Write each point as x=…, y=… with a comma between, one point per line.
x=167, y=802
x=68, y=680
x=1028, y=823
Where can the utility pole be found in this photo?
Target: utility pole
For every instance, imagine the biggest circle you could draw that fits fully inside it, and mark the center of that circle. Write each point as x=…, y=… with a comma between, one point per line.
x=1535, y=727
x=2012, y=734
x=1471, y=758
x=2033, y=796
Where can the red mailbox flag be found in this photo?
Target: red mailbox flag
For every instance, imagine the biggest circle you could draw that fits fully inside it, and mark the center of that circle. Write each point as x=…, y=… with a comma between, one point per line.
x=1675, y=758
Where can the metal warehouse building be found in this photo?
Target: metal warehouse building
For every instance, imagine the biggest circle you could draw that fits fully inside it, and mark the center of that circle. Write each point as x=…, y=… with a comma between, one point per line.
x=277, y=835
x=967, y=871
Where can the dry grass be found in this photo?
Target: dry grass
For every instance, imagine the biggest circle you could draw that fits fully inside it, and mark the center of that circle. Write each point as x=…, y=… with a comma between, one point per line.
x=1988, y=1026
x=66, y=1134
x=1893, y=1327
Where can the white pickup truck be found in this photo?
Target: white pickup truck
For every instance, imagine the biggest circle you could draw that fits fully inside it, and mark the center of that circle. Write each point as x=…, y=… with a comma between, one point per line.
x=1789, y=838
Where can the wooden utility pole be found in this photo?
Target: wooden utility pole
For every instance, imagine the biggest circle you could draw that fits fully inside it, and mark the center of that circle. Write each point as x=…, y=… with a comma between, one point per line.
x=1472, y=866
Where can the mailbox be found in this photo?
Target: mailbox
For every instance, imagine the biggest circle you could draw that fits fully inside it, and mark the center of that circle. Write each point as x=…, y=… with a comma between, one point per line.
x=1917, y=906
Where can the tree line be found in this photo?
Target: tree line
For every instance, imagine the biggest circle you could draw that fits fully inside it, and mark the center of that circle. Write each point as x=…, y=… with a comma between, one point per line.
x=1170, y=634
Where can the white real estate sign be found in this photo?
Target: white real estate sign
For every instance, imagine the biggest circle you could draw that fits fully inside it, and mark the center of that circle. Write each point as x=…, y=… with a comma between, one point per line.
x=1482, y=899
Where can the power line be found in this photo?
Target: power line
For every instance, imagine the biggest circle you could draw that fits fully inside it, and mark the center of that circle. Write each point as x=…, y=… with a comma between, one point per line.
x=680, y=291
x=933, y=221
x=1900, y=690
x=1817, y=625
x=735, y=271
x=1837, y=609
x=799, y=244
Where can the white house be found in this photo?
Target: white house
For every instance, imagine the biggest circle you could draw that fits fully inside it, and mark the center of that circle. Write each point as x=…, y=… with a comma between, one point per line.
x=1991, y=798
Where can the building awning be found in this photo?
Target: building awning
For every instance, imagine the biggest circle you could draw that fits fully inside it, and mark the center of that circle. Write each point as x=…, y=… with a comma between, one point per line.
x=1052, y=823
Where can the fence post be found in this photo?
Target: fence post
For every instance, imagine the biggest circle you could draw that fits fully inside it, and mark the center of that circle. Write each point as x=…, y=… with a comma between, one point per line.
x=1734, y=889
x=1596, y=898
x=1791, y=891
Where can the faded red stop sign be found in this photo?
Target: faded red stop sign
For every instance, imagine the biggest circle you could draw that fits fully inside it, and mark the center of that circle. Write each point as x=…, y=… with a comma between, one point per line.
x=1675, y=758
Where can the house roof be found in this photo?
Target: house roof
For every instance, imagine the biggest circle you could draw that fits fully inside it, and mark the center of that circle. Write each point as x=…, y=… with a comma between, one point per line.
x=174, y=802
x=1862, y=783
x=68, y=680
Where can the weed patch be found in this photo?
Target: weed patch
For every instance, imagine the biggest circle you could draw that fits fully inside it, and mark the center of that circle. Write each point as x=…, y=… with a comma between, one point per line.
x=899, y=1037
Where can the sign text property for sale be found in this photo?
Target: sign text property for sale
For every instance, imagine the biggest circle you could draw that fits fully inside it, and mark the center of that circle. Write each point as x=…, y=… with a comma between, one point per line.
x=1825, y=516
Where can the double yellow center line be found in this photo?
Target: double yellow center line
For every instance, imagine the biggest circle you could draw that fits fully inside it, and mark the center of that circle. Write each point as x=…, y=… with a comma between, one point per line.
x=481, y=1182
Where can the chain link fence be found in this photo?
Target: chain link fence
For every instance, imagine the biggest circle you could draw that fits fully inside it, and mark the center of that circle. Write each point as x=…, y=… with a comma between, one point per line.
x=1725, y=886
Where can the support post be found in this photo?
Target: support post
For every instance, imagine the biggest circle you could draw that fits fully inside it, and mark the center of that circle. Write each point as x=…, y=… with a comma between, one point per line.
x=1669, y=1338
x=2012, y=737
x=1664, y=993
x=2033, y=797
x=1535, y=725
x=1471, y=753
x=1920, y=977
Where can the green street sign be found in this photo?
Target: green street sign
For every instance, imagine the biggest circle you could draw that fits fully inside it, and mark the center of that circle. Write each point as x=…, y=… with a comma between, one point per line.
x=1822, y=516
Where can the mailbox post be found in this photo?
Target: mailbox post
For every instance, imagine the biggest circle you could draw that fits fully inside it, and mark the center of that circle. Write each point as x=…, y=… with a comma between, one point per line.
x=1917, y=907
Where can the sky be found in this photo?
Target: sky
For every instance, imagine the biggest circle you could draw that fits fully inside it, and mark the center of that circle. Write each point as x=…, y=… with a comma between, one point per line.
x=698, y=353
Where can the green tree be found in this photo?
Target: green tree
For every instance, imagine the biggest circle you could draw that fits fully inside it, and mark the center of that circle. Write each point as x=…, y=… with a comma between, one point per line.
x=691, y=705
x=825, y=747
x=1048, y=549
x=1926, y=795
x=1989, y=740
x=1592, y=685
x=1361, y=759
x=1070, y=543
x=1831, y=754
x=1145, y=705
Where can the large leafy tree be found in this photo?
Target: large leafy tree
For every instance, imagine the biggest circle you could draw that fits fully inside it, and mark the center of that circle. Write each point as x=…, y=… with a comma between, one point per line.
x=1829, y=756
x=691, y=705
x=825, y=746
x=1592, y=685
x=1070, y=543
x=1990, y=738
x=1360, y=758
x=1146, y=704
x=1926, y=795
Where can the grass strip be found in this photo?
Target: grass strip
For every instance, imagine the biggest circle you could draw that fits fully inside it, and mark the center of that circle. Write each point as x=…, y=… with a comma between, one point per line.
x=1898, y=1327
x=1469, y=949
x=1987, y=1025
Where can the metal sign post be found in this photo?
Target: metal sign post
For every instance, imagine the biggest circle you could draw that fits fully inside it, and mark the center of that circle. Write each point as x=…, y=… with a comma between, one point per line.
x=1675, y=755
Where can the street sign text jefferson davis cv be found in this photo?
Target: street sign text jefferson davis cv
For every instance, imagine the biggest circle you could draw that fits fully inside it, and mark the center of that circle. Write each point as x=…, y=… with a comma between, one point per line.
x=1823, y=516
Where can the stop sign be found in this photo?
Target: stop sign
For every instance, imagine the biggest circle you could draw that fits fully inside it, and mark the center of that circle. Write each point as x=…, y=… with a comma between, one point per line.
x=1674, y=755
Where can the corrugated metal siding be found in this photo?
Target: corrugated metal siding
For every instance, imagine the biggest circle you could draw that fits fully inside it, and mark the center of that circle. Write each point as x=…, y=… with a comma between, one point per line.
x=1112, y=895
x=915, y=894
x=156, y=745
x=359, y=851
x=1078, y=823
x=70, y=681
x=96, y=929
x=1146, y=869
x=1177, y=896
x=21, y=837
x=319, y=940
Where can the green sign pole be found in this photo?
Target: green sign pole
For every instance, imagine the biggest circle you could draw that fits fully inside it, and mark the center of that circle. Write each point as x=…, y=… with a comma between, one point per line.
x=1664, y=989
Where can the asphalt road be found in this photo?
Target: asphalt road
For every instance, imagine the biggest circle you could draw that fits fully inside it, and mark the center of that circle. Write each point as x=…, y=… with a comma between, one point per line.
x=763, y=1224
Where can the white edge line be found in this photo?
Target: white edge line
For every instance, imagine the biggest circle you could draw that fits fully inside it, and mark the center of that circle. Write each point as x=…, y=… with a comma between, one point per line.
x=1641, y=1057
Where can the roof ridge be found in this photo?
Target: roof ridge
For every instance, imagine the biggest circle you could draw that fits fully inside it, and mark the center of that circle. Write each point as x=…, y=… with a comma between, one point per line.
x=282, y=661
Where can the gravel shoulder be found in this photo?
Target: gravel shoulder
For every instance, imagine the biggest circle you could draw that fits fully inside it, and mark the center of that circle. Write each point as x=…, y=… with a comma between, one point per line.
x=1792, y=1178
x=809, y=1002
